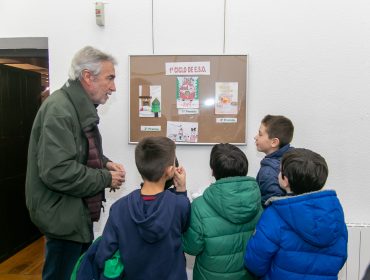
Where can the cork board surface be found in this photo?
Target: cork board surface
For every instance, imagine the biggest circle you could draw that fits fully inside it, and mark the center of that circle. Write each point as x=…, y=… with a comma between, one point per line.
x=158, y=101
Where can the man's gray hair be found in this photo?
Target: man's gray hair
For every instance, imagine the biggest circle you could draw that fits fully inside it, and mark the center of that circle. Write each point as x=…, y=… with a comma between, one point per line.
x=90, y=59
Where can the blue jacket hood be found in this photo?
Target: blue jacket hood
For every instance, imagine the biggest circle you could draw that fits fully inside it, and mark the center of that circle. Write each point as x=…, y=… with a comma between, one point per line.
x=153, y=219
x=316, y=217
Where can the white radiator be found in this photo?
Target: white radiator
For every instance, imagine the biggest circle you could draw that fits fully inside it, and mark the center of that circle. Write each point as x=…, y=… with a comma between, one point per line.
x=358, y=252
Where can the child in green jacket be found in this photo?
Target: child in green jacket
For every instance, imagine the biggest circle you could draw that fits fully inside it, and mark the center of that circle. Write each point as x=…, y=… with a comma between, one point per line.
x=223, y=218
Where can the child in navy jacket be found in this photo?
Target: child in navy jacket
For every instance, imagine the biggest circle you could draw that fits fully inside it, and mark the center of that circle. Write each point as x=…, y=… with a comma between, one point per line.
x=273, y=138
x=146, y=225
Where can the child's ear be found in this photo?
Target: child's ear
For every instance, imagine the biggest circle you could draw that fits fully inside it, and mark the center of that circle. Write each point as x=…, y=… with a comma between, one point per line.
x=169, y=171
x=275, y=142
x=284, y=183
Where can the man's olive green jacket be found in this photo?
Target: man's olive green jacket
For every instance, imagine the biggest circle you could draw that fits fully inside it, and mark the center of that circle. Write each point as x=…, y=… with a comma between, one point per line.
x=57, y=177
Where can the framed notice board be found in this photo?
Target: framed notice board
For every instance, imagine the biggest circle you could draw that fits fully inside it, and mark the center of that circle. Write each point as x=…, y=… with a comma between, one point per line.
x=192, y=99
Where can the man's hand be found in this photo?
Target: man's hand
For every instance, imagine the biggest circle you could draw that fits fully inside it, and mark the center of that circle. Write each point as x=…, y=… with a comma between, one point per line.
x=117, y=179
x=179, y=179
x=113, y=166
x=118, y=173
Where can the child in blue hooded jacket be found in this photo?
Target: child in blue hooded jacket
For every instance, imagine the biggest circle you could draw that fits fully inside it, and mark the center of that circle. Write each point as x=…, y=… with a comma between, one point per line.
x=302, y=235
x=146, y=225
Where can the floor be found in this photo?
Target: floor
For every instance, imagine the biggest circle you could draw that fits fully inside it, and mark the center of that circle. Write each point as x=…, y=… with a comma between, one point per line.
x=26, y=264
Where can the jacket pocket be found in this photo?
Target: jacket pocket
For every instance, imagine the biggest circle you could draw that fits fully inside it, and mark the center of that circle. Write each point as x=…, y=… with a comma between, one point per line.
x=65, y=216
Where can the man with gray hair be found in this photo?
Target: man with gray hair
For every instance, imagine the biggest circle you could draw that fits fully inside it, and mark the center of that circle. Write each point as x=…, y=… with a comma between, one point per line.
x=67, y=172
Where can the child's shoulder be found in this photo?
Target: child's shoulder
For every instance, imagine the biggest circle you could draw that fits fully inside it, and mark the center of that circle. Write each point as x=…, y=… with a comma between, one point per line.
x=270, y=165
x=180, y=198
x=200, y=204
x=124, y=199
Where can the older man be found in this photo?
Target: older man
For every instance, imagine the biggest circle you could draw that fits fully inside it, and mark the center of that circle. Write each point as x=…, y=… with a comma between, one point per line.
x=67, y=171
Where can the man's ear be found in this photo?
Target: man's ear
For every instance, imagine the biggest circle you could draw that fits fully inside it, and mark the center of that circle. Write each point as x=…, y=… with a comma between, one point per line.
x=275, y=142
x=86, y=77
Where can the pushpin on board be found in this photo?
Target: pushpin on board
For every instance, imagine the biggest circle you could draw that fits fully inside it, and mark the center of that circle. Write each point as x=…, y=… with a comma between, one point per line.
x=99, y=13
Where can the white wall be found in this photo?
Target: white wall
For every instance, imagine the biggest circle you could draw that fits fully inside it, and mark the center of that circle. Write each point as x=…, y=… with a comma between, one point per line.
x=308, y=60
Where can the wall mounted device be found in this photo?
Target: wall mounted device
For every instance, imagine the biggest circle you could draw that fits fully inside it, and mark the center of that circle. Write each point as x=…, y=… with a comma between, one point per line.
x=99, y=13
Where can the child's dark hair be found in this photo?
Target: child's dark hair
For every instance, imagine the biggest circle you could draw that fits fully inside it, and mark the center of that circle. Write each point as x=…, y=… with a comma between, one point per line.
x=279, y=127
x=306, y=170
x=228, y=160
x=153, y=155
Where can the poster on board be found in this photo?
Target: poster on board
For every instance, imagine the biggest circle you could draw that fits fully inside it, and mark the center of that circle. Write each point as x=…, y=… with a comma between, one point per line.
x=186, y=132
x=226, y=99
x=187, y=95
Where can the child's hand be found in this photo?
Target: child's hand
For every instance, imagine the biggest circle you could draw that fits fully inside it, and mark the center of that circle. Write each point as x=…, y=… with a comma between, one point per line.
x=179, y=179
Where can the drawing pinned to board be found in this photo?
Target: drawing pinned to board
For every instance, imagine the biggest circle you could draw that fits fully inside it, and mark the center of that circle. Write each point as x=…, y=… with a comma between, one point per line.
x=150, y=105
x=187, y=92
x=226, y=98
x=183, y=131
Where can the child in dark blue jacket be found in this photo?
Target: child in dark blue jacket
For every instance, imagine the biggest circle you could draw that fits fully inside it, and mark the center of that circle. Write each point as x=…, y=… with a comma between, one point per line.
x=273, y=138
x=146, y=225
x=302, y=235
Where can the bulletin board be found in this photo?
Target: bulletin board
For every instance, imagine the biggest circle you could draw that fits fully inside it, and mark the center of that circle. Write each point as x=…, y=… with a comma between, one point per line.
x=192, y=99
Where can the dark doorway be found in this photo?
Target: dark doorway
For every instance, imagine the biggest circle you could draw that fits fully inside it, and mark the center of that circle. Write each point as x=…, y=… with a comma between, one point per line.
x=20, y=98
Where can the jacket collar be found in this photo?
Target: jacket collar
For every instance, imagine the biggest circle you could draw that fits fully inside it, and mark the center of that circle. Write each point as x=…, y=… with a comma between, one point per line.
x=290, y=195
x=280, y=152
x=85, y=108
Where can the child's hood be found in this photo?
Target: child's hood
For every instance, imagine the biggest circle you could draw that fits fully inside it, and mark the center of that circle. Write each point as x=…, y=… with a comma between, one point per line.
x=316, y=217
x=153, y=221
x=236, y=199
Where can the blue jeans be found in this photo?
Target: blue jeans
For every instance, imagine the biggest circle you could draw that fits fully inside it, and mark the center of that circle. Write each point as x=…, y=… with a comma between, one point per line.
x=60, y=258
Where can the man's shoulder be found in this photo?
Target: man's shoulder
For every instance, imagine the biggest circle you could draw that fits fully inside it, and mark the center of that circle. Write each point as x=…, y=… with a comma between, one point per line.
x=56, y=103
x=58, y=94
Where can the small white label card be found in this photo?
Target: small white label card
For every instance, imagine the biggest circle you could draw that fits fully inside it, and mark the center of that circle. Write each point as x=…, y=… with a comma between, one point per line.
x=226, y=120
x=150, y=128
x=188, y=111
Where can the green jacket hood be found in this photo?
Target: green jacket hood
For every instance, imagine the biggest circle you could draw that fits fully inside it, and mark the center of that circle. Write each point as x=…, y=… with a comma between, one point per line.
x=236, y=199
